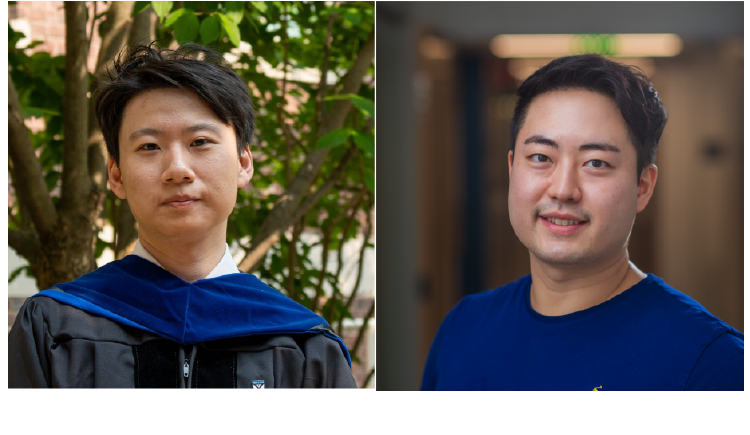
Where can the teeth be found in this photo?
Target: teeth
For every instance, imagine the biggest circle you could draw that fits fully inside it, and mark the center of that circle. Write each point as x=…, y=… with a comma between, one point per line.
x=563, y=221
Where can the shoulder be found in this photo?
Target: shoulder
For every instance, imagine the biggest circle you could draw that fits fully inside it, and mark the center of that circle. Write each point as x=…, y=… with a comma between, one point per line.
x=491, y=302
x=39, y=308
x=714, y=348
x=678, y=311
x=475, y=313
x=63, y=321
x=720, y=365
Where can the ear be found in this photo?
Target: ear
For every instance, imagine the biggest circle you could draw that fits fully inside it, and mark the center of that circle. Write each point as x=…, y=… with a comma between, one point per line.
x=646, y=186
x=510, y=163
x=115, y=179
x=245, y=167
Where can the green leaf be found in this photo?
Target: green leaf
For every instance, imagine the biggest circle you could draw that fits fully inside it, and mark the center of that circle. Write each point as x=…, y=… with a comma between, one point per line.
x=210, y=29
x=55, y=82
x=234, y=11
x=51, y=178
x=33, y=44
x=139, y=7
x=363, y=104
x=186, y=27
x=173, y=17
x=353, y=16
x=333, y=139
x=162, y=8
x=370, y=179
x=15, y=273
x=37, y=112
x=260, y=6
x=364, y=142
x=233, y=32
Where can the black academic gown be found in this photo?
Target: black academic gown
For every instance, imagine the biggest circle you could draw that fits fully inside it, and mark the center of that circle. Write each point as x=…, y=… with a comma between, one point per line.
x=131, y=324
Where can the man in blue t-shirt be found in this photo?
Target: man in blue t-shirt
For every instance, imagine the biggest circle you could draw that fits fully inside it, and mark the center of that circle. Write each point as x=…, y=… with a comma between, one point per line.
x=584, y=136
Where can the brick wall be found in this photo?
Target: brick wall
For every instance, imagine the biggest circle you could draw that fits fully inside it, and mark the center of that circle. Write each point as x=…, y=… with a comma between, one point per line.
x=45, y=21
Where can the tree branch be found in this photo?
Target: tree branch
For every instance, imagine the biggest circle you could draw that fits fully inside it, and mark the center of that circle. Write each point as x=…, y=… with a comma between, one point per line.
x=143, y=28
x=326, y=241
x=360, y=264
x=323, y=85
x=258, y=250
x=32, y=193
x=368, y=378
x=25, y=243
x=75, y=182
x=282, y=101
x=291, y=138
x=93, y=26
x=292, y=258
x=114, y=33
x=281, y=215
x=340, y=263
x=127, y=230
x=363, y=329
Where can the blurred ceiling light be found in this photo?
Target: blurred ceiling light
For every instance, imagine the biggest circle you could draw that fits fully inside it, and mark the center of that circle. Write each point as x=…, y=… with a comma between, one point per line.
x=614, y=45
x=520, y=69
x=435, y=48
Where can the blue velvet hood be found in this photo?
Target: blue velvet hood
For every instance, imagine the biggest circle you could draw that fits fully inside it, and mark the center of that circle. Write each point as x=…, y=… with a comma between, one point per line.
x=135, y=292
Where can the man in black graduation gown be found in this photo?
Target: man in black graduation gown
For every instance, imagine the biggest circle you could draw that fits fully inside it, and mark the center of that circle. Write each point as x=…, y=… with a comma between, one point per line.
x=176, y=312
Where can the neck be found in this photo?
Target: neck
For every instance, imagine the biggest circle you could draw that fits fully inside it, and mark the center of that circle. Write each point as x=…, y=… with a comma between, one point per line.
x=190, y=260
x=558, y=291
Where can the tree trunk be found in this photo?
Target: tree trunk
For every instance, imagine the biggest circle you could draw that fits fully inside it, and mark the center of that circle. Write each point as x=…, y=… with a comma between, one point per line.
x=75, y=181
x=67, y=234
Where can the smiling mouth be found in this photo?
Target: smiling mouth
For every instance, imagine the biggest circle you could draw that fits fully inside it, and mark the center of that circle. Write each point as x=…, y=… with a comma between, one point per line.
x=562, y=222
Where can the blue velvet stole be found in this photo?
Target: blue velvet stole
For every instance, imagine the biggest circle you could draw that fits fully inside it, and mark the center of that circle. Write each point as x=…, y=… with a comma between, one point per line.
x=135, y=292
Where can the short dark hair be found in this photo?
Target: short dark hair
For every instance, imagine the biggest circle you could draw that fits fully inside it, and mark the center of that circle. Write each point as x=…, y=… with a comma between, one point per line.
x=633, y=92
x=146, y=67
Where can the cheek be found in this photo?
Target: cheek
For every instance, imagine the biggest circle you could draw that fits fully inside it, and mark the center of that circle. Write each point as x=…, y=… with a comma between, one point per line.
x=615, y=204
x=523, y=195
x=525, y=189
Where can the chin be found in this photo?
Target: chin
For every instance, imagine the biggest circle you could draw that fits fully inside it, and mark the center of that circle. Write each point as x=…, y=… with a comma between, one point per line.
x=186, y=229
x=563, y=257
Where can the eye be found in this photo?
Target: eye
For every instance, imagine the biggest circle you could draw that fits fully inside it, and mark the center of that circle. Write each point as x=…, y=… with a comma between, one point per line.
x=201, y=142
x=539, y=158
x=597, y=164
x=149, y=147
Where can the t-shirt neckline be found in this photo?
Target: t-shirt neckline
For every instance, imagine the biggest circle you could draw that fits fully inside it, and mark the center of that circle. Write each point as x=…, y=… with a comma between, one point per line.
x=585, y=312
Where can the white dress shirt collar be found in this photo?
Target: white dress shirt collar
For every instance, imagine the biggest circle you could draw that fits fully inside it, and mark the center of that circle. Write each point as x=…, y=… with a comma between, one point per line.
x=225, y=266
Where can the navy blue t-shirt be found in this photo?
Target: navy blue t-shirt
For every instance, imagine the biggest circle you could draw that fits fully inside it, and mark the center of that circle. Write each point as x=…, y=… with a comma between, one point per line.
x=650, y=337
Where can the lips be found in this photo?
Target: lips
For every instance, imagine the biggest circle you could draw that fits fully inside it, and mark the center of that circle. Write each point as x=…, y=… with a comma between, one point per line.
x=180, y=200
x=563, y=216
x=562, y=225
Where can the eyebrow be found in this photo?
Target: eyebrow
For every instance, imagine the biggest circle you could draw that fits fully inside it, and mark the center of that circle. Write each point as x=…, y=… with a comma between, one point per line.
x=601, y=146
x=146, y=131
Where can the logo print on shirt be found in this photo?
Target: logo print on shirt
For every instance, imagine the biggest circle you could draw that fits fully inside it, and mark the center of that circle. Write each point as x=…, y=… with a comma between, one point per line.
x=259, y=384
x=596, y=388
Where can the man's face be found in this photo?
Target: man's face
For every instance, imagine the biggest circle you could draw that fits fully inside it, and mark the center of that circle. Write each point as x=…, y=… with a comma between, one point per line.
x=575, y=165
x=179, y=168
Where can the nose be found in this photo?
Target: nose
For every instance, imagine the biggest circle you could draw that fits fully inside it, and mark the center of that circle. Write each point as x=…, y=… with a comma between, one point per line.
x=564, y=185
x=178, y=168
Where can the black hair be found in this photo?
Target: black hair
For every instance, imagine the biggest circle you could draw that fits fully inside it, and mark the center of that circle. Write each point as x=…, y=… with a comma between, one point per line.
x=633, y=92
x=146, y=67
